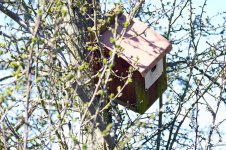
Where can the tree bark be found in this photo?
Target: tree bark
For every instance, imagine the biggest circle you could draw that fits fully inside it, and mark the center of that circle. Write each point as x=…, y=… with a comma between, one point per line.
x=77, y=29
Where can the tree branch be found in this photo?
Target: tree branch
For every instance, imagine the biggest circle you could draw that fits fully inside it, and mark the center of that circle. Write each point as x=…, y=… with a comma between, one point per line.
x=15, y=17
x=100, y=124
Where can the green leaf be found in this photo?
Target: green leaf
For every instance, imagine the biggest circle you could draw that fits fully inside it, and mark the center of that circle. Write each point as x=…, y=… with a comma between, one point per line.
x=9, y=91
x=152, y=116
x=118, y=46
x=111, y=95
x=109, y=126
x=34, y=40
x=138, y=124
x=40, y=11
x=3, y=45
x=100, y=92
x=83, y=9
x=119, y=88
x=63, y=12
x=126, y=24
x=130, y=69
x=110, y=53
x=84, y=147
x=38, y=79
x=17, y=87
x=130, y=80
x=110, y=66
x=17, y=73
x=89, y=29
x=24, y=56
x=112, y=40
x=29, y=11
x=2, y=99
x=14, y=64
x=82, y=67
x=105, y=61
x=86, y=104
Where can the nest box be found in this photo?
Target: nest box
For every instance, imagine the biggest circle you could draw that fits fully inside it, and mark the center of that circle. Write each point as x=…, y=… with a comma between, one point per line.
x=145, y=50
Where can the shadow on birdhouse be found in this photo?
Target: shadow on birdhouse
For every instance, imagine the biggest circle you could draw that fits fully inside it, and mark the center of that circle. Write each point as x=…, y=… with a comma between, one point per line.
x=145, y=51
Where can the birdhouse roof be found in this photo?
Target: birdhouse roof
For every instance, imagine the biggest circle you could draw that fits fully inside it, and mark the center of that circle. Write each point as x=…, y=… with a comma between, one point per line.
x=142, y=47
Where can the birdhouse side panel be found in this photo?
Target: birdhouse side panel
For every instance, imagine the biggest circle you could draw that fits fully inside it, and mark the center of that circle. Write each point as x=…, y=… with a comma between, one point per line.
x=145, y=98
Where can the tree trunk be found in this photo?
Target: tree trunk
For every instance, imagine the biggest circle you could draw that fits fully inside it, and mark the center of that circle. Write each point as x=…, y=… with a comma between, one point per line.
x=77, y=37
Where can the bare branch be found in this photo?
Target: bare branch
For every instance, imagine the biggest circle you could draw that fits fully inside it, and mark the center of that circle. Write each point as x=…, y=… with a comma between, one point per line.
x=15, y=17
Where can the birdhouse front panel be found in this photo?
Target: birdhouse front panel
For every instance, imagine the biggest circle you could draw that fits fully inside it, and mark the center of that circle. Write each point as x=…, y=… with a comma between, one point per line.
x=152, y=75
x=145, y=50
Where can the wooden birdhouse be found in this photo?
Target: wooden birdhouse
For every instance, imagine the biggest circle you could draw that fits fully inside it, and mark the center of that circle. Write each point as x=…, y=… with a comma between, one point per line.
x=144, y=49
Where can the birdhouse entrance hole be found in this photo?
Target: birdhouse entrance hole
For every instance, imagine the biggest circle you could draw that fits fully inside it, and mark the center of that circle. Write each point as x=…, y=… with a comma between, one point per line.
x=153, y=69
